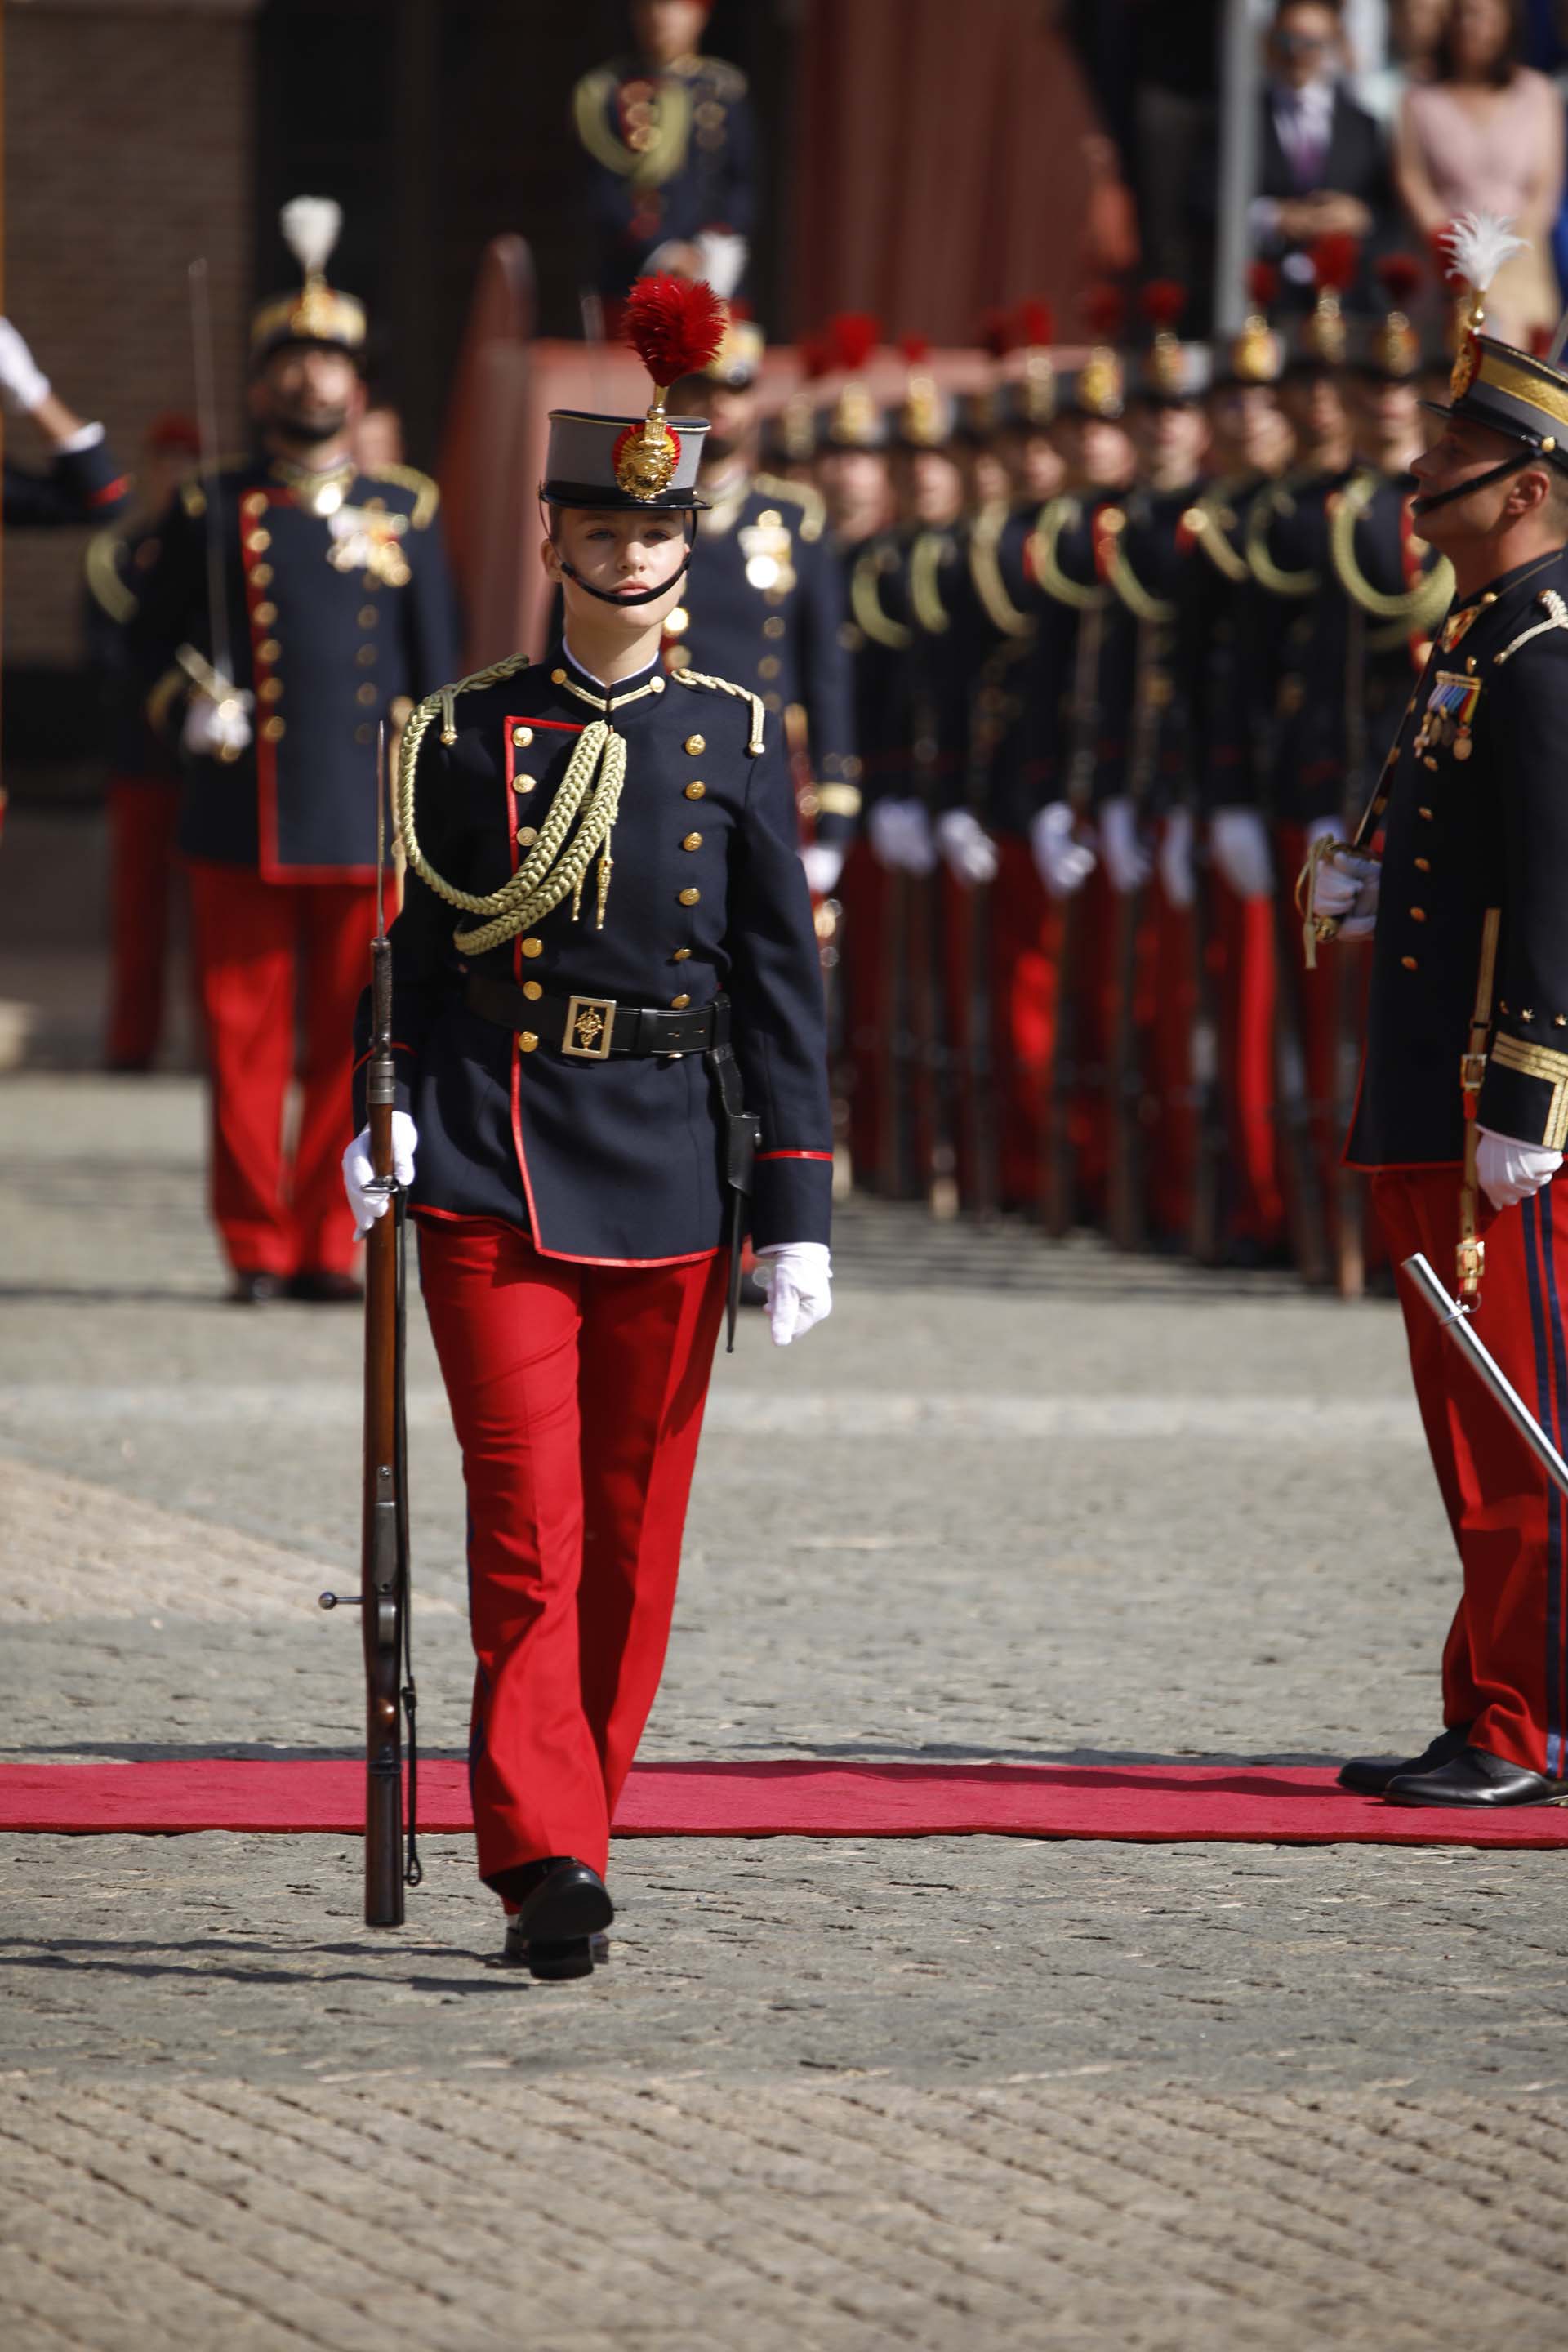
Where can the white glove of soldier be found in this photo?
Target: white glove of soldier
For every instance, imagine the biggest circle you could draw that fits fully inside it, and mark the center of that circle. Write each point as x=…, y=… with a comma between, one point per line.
x=1128, y=864
x=901, y=837
x=1063, y=863
x=1345, y=887
x=1511, y=1172
x=824, y=864
x=359, y=1170
x=797, y=1278
x=24, y=386
x=723, y=257
x=967, y=849
x=1239, y=841
x=1176, y=859
x=212, y=728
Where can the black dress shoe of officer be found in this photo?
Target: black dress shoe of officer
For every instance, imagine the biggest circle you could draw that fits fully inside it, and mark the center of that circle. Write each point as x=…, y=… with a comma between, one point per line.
x=256, y=1289
x=325, y=1286
x=1369, y=1776
x=556, y=1898
x=575, y=1955
x=1483, y=1782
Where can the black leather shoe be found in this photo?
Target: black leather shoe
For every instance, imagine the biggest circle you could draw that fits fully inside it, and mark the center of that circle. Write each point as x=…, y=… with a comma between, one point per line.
x=1477, y=1780
x=576, y=1956
x=256, y=1289
x=1369, y=1776
x=323, y=1286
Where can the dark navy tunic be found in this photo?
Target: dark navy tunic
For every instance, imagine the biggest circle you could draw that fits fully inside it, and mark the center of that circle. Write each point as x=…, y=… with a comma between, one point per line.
x=764, y=605
x=116, y=565
x=1486, y=828
x=616, y=1161
x=332, y=619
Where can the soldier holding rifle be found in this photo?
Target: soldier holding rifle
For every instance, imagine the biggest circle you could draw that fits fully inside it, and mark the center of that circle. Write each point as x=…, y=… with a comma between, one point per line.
x=605, y=984
x=1463, y=1113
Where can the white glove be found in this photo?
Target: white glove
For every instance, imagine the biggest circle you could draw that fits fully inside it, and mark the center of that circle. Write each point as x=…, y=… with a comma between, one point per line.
x=23, y=384
x=1128, y=864
x=1063, y=863
x=724, y=256
x=901, y=837
x=797, y=1279
x=1345, y=887
x=1176, y=859
x=212, y=728
x=967, y=849
x=823, y=863
x=1511, y=1172
x=359, y=1170
x=1239, y=841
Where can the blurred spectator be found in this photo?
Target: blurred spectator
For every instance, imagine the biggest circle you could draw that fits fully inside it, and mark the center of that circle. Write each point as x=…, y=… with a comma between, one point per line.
x=1152, y=68
x=1485, y=134
x=1324, y=168
x=1415, y=36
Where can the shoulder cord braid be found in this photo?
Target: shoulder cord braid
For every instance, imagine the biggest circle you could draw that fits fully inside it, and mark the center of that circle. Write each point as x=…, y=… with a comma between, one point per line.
x=740, y=693
x=866, y=608
x=651, y=166
x=1205, y=521
x=1556, y=613
x=1260, y=558
x=1059, y=585
x=986, y=570
x=1417, y=608
x=1155, y=612
x=925, y=596
x=541, y=882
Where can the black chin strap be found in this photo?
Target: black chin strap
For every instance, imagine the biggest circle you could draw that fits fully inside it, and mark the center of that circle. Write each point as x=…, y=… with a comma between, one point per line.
x=643, y=595
x=1478, y=482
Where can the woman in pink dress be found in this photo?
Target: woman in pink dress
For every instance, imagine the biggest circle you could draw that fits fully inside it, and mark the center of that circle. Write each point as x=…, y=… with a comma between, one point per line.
x=1486, y=135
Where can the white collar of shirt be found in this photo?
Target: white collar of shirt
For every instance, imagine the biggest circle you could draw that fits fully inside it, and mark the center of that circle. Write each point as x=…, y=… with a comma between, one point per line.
x=1312, y=108
x=620, y=685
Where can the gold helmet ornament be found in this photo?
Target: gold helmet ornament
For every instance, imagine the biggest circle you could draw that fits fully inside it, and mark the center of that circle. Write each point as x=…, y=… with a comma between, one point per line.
x=316, y=312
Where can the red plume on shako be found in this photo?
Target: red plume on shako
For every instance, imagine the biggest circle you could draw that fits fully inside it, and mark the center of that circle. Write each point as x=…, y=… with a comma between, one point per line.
x=675, y=326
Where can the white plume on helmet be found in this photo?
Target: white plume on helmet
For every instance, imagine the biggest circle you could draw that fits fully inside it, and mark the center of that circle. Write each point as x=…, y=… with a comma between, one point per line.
x=310, y=226
x=1480, y=246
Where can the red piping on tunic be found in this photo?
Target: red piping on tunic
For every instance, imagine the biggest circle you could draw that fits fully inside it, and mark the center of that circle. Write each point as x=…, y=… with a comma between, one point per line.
x=792, y=1155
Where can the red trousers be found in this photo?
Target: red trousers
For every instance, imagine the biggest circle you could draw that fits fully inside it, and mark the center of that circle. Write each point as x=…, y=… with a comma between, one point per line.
x=577, y=1395
x=280, y=965
x=1168, y=1005
x=144, y=822
x=1505, y=1666
x=1241, y=959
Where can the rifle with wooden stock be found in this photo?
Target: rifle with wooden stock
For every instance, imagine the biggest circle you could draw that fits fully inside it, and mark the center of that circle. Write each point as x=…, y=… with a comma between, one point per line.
x=391, y=1850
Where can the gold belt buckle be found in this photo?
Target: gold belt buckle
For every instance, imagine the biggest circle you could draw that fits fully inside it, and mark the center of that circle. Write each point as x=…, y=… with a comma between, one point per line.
x=590, y=1025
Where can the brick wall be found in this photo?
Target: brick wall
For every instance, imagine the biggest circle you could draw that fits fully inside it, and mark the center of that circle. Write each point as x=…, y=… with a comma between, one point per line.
x=128, y=137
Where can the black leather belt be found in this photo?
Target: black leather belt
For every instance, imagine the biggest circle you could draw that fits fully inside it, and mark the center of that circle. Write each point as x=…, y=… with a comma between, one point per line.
x=596, y=1028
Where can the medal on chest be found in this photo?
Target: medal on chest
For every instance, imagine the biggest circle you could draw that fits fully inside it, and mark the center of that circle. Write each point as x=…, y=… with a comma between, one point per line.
x=1449, y=716
x=365, y=538
x=769, y=551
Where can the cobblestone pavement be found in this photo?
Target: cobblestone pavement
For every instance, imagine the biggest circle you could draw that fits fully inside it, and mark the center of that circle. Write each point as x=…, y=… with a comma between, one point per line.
x=1010, y=1502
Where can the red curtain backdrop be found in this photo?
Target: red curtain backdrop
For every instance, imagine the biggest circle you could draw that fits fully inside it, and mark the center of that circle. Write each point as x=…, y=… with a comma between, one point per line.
x=941, y=164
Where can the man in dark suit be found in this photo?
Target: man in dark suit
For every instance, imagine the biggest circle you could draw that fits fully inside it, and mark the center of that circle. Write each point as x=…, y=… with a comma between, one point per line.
x=1323, y=164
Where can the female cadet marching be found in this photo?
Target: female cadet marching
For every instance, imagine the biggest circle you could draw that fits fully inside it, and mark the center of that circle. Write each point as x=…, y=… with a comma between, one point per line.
x=606, y=998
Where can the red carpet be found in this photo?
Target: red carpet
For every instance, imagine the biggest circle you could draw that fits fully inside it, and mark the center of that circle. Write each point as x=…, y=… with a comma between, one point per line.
x=1153, y=1804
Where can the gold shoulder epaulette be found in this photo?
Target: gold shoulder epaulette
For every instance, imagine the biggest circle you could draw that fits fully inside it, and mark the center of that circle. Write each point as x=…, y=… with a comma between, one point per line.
x=426, y=492
x=106, y=589
x=194, y=499
x=812, y=505
x=693, y=678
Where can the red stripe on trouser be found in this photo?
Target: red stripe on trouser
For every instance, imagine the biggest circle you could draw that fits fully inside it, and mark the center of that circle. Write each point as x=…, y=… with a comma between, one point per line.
x=1495, y=1665
x=1025, y=947
x=269, y=955
x=1241, y=961
x=577, y=1395
x=143, y=823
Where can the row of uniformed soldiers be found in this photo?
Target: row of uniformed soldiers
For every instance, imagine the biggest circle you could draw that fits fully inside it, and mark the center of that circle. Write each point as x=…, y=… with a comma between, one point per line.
x=1106, y=649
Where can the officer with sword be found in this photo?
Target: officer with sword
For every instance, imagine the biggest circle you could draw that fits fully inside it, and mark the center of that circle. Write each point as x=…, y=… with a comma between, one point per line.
x=1459, y=870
